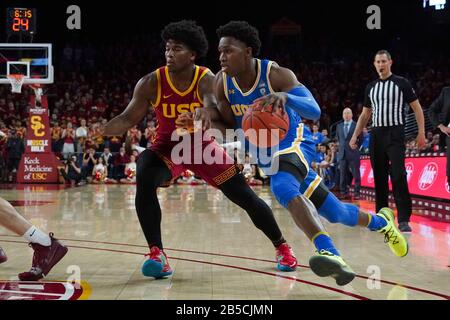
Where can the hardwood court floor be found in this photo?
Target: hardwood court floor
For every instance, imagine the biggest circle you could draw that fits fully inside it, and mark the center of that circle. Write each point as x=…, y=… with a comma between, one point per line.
x=213, y=248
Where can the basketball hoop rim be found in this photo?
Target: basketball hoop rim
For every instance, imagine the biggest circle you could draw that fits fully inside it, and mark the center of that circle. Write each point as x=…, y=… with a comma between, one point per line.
x=15, y=76
x=16, y=80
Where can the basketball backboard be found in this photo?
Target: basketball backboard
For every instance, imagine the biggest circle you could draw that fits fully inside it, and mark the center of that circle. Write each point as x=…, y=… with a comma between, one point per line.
x=33, y=60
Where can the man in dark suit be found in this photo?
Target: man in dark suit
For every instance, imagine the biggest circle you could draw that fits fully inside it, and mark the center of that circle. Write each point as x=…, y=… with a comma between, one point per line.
x=440, y=118
x=347, y=157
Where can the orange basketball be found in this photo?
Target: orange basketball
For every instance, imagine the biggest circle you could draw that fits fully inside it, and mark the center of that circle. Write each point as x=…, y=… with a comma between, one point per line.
x=264, y=129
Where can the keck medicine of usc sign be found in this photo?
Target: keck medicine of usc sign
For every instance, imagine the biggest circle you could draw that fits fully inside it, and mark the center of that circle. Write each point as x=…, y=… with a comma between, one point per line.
x=38, y=164
x=426, y=176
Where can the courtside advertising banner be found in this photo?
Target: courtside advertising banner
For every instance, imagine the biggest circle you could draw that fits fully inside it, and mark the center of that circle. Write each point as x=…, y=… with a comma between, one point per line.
x=426, y=176
x=38, y=163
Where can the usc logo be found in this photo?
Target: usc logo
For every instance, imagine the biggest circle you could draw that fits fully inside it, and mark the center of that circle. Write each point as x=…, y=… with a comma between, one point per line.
x=37, y=126
x=39, y=176
x=172, y=110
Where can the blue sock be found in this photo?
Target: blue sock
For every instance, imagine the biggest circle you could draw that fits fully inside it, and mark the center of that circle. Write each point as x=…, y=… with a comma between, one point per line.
x=376, y=222
x=322, y=241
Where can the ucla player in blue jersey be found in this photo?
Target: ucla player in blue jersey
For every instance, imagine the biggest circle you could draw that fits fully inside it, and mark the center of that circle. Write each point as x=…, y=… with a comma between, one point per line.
x=244, y=81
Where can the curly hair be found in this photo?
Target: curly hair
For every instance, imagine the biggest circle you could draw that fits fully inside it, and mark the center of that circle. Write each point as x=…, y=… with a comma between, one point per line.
x=242, y=31
x=188, y=33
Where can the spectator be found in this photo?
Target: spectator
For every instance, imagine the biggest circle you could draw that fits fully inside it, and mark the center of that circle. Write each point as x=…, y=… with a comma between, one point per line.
x=81, y=135
x=115, y=143
x=149, y=133
x=120, y=162
x=56, y=134
x=71, y=171
x=349, y=159
x=316, y=135
x=15, y=148
x=325, y=139
x=100, y=172
x=130, y=171
x=68, y=136
x=89, y=161
x=135, y=135
x=107, y=157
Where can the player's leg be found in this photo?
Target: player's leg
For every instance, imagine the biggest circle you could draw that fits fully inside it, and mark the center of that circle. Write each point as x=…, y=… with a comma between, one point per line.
x=379, y=161
x=224, y=175
x=286, y=186
x=238, y=191
x=402, y=197
x=47, y=250
x=336, y=211
x=151, y=172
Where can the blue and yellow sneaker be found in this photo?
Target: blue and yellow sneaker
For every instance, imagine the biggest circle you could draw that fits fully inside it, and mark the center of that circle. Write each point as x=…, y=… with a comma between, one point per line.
x=325, y=264
x=397, y=242
x=157, y=265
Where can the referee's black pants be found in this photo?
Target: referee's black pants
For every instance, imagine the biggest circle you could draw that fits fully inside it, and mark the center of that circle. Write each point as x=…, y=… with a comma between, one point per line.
x=387, y=156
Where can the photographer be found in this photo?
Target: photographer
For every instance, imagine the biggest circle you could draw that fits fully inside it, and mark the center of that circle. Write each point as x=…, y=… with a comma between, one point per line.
x=15, y=147
x=71, y=171
x=89, y=161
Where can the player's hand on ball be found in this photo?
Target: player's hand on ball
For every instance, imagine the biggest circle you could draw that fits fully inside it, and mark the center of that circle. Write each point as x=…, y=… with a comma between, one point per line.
x=273, y=102
x=185, y=120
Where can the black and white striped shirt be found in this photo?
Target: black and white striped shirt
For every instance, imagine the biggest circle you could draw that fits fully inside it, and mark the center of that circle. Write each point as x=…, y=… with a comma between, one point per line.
x=388, y=99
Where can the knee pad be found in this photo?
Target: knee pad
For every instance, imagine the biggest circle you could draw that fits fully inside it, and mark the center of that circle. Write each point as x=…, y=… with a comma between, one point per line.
x=336, y=211
x=285, y=187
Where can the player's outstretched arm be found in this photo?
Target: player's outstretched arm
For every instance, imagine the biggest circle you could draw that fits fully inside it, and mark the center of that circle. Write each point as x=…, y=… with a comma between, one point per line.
x=143, y=96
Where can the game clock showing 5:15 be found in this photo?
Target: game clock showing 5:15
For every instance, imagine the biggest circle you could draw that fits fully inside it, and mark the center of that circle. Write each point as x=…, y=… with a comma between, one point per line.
x=20, y=20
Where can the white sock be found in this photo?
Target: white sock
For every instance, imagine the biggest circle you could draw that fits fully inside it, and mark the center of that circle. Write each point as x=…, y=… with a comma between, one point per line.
x=37, y=236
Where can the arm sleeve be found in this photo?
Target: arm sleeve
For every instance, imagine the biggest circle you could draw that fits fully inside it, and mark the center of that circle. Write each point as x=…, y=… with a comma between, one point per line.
x=302, y=101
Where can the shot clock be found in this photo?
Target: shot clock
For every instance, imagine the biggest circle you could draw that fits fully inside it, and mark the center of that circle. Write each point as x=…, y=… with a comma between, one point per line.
x=20, y=21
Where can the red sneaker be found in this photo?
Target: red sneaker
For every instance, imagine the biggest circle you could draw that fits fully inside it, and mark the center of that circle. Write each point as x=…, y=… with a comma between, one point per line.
x=44, y=259
x=286, y=258
x=157, y=265
x=3, y=256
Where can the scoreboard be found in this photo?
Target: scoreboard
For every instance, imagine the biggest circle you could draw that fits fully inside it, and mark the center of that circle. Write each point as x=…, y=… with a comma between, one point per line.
x=20, y=21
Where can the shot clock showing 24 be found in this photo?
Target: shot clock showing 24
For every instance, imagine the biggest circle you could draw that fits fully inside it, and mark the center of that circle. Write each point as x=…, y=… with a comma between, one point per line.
x=20, y=20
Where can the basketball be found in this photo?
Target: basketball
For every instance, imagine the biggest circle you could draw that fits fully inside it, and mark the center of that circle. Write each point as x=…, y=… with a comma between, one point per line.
x=263, y=128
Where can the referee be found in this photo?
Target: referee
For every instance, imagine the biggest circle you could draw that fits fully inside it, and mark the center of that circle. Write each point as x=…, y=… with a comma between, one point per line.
x=385, y=100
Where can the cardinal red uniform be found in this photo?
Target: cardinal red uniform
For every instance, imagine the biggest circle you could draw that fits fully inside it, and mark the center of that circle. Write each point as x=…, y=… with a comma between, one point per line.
x=170, y=103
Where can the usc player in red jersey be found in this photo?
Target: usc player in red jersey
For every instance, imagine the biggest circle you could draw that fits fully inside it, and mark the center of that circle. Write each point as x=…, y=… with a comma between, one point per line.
x=177, y=88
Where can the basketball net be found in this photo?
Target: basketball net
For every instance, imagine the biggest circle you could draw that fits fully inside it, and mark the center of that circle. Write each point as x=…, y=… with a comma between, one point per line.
x=16, y=81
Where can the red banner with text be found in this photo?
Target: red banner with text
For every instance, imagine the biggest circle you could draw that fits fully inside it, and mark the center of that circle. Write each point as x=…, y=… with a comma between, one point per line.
x=426, y=176
x=38, y=164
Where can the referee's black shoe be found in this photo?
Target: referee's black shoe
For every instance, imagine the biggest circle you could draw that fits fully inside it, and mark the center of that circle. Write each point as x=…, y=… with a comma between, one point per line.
x=404, y=227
